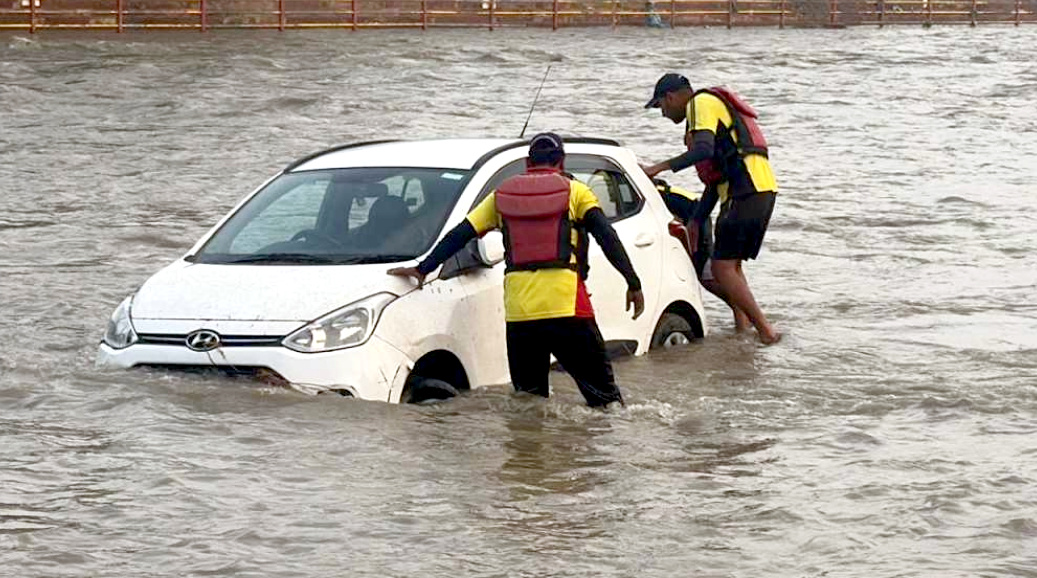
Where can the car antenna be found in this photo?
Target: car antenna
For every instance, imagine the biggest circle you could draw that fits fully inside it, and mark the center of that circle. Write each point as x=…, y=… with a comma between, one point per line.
x=532, y=106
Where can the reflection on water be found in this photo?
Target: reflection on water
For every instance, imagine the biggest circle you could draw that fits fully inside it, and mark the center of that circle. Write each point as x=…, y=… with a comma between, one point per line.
x=890, y=433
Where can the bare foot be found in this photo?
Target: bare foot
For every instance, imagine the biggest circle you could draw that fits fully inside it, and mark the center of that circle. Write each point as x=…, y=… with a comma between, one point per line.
x=771, y=337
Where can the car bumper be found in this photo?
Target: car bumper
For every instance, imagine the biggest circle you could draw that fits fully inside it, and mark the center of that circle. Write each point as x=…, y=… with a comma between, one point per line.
x=373, y=371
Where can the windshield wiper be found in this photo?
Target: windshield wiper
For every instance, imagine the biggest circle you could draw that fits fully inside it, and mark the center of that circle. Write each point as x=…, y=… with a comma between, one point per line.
x=360, y=259
x=282, y=258
x=318, y=259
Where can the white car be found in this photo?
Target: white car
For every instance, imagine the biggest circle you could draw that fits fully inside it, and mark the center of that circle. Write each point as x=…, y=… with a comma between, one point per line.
x=292, y=283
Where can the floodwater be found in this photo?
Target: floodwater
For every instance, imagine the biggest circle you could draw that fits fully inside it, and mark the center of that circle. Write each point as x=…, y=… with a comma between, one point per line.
x=893, y=432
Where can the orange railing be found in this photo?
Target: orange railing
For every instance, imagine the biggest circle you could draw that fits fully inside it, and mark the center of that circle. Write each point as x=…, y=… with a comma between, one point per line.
x=203, y=15
x=930, y=12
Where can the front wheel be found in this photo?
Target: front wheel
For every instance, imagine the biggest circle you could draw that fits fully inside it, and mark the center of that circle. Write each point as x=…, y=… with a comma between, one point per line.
x=673, y=330
x=425, y=389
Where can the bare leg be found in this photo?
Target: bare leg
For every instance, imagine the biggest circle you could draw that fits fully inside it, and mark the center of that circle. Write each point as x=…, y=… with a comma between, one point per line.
x=727, y=273
x=738, y=312
x=742, y=322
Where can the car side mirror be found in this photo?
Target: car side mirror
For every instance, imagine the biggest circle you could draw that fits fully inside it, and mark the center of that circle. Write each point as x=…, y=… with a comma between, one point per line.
x=491, y=248
x=477, y=254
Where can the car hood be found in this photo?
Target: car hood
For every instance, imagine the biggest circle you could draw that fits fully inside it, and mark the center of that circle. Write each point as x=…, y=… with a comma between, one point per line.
x=259, y=292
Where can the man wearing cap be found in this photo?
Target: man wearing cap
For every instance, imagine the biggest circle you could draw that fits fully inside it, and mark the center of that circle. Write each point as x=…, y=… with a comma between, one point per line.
x=725, y=145
x=547, y=307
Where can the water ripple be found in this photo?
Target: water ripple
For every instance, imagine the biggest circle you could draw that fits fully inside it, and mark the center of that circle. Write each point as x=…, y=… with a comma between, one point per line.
x=890, y=432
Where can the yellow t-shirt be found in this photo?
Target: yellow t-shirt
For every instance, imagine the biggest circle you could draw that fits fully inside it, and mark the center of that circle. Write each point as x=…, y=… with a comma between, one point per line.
x=703, y=113
x=543, y=293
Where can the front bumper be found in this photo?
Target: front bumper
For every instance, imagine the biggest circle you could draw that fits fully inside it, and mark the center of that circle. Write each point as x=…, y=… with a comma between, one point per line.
x=373, y=371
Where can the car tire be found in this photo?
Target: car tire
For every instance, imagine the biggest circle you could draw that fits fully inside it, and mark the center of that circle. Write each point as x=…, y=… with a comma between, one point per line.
x=425, y=389
x=672, y=330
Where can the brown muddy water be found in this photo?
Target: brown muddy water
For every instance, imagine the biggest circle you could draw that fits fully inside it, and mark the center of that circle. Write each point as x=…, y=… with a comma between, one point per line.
x=892, y=433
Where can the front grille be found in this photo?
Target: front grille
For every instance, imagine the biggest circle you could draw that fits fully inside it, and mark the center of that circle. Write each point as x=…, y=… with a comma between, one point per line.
x=225, y=340
x=261, y=374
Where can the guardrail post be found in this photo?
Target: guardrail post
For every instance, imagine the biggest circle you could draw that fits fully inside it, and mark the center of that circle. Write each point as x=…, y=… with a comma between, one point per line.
x=948, y=11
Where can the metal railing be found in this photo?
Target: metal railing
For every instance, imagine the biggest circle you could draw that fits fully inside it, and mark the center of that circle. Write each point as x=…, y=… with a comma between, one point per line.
x=204, y=15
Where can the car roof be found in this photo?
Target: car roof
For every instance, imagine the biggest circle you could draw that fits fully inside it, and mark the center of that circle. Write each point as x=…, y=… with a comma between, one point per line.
x=458, y=153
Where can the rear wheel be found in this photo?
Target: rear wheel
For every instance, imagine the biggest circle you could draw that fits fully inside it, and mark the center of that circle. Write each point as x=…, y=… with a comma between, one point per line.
x=673, y=330
x=426, y=389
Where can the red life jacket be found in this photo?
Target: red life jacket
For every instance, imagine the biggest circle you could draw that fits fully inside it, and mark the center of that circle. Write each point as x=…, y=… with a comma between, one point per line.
x=537, y=232
x=750, y=137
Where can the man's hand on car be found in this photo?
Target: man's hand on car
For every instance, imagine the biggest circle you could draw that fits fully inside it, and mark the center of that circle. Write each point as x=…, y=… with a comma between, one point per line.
x=411, y=272
x=652, y=170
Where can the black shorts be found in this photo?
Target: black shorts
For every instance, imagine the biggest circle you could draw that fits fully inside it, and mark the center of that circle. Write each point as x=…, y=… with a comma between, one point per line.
x=741, y=226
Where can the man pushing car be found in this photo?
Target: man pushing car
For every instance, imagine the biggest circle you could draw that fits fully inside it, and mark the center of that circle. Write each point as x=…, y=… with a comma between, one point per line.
x=547, y=307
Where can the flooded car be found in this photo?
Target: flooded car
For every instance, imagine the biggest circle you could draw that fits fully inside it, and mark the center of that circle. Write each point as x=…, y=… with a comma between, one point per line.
x=292, y=282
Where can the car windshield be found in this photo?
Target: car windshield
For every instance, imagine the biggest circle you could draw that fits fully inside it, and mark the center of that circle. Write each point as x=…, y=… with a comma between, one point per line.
x=355, y=215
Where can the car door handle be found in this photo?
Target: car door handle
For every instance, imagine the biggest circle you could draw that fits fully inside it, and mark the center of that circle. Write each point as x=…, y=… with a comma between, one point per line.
x=644, y=240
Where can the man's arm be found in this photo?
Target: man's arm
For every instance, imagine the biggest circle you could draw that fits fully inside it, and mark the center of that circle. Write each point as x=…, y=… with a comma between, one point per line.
x=706, y=203
x=453, y=242
x=598, y=226
x=481, y=219
x=700, y=149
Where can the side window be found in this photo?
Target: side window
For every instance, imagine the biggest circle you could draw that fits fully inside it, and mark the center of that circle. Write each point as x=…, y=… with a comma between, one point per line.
x=618, y=198
x=413, y=195
x=407, y=188
x=294, y=211
x=509, y=170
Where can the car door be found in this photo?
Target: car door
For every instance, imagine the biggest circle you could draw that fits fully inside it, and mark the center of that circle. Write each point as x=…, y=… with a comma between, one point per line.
x=483, y=305
x=640, y=233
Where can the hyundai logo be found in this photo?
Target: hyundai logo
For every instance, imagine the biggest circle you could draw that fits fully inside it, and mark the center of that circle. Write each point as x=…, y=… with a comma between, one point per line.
x=202, y=340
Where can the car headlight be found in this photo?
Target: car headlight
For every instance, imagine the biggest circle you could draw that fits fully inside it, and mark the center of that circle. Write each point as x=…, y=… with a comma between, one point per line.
x=120, y=333
x=347, y=327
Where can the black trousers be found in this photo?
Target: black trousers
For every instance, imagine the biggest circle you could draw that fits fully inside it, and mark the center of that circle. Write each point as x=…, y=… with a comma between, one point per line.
x=577, y=344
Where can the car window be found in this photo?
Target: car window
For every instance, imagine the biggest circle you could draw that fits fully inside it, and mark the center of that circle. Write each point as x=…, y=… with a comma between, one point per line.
x=617, y=196
x=509, y=170
x=294, y=211
x=413, y=195
x=409, y=189
x=339, y=215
